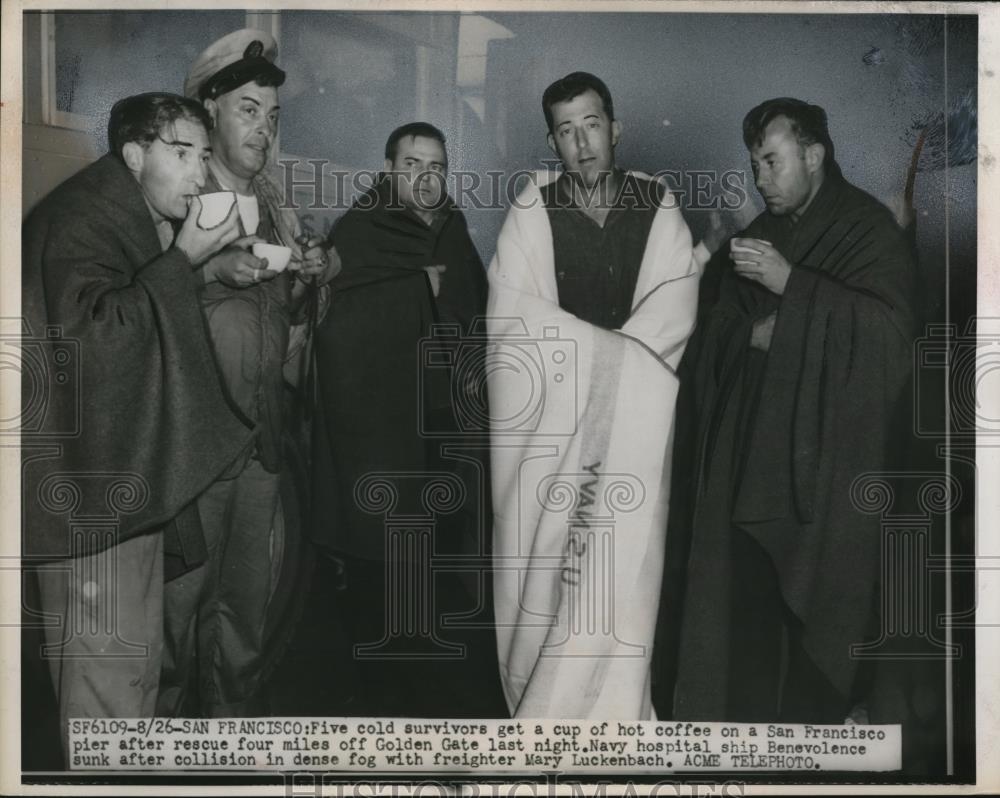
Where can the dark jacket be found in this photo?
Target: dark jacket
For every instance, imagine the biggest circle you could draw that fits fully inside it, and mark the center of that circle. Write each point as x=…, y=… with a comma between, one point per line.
x=125, y=422
x=382, y=388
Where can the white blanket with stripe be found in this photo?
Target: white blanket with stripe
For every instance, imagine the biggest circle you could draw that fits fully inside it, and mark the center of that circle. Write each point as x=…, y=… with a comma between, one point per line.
x=582, y=429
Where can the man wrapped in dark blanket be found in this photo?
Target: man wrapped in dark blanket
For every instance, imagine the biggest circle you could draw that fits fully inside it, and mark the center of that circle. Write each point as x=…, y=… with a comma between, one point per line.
x=801, y=371
x=397, y=379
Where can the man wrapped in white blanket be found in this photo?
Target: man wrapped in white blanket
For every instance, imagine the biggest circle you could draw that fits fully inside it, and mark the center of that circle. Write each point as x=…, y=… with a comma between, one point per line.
x=582, y=410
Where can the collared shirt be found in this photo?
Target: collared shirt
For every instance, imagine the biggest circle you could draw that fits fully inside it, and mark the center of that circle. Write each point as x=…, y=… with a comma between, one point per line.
x=164, y=227
x=597, y=267
x=249, y=328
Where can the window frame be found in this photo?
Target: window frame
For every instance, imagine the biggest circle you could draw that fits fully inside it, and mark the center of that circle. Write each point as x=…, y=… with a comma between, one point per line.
x=51, y=115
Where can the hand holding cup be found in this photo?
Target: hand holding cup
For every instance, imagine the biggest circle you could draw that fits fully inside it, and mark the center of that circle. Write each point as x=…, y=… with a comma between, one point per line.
x=277, y=256
x=759, y=261
x=200, y=244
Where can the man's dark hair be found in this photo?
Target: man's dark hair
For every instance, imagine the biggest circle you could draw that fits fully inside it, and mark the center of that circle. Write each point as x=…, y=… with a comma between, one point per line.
x=213, y=89
x=573, y=85
x=808, y=124
x=142, y=117
x=425, y=129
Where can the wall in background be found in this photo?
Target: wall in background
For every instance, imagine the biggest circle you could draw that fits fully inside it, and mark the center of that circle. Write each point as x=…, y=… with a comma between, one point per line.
x=681, y=84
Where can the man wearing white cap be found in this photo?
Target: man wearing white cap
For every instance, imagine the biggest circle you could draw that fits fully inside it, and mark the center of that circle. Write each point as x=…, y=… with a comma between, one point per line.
x=215, y=615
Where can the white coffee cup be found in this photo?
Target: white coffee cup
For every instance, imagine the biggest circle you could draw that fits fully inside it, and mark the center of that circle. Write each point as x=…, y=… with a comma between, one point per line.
x=215, y=208
x=277, y=255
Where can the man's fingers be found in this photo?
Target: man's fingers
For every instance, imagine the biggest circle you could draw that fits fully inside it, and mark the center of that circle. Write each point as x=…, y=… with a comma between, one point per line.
x=263, y=274
x=751, y=274
x=304, y=240
x=751, y=243
x=230, y=236
x=247, y=241
x=256, y=274
x=194, y=211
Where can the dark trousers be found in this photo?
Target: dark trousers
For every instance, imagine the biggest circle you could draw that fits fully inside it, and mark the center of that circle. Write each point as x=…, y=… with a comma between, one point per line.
x=771, y=677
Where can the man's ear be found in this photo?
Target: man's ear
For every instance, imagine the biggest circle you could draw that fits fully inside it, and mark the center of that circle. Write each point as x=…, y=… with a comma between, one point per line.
x=134, y=155
x=386, y=166
x=552, y=143
x=815, y=153
x=616, y=132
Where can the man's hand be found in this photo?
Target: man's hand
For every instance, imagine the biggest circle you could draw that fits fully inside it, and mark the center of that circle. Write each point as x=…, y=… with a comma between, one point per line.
x=720, y=227
x=763, y=330
x=434, y=275
x=198, y=244
x=237, y=267
x=759, y=261
x=317, y=261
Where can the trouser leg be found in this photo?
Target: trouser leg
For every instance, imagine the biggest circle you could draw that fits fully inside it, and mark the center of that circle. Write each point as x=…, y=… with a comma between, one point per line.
x=105, y=650
x=183, y=599
x=235, y=607
x=368, y=623
x=772, y=677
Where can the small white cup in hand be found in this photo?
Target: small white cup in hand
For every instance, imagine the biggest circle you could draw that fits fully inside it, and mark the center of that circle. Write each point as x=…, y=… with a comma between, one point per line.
x=277, y=256
x=215, y=208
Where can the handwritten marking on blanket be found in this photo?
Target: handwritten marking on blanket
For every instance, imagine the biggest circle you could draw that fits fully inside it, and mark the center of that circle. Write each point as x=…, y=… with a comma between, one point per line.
x=372, y=745
x=579, y=525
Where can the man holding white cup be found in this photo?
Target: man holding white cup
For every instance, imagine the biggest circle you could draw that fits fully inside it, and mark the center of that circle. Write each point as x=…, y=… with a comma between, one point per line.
x=249, y=309
x=107, y=285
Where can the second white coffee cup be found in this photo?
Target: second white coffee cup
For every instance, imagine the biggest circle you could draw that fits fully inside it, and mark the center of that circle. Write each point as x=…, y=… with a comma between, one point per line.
x=277, y=255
